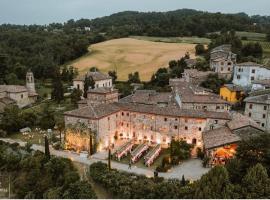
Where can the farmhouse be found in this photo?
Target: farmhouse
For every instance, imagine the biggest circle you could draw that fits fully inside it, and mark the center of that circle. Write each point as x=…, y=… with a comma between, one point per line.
x=222, y=61
x=246, y=73
x=101, y=80
x=17, y=94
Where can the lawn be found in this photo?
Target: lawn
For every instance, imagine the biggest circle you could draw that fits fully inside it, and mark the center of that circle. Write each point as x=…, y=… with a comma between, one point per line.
x=140, y=164
x=33, y=137
x=128, y=55
x=252, y=36
x=187, y=40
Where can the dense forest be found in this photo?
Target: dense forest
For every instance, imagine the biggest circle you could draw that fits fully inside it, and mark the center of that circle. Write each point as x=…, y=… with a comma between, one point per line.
x=184, y=22
x=44, y=48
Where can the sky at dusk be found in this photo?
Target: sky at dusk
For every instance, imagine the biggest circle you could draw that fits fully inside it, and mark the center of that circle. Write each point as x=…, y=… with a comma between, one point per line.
x=48, y=11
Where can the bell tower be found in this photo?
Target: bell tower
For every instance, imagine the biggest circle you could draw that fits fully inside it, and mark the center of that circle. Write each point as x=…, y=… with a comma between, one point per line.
x=30, y=82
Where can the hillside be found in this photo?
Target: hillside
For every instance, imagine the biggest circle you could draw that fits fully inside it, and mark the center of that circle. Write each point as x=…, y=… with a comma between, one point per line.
x=129, y=55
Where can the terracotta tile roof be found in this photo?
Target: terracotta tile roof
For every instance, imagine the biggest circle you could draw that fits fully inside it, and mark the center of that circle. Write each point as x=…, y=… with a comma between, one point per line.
x=194, y=73
x=224, y=47
x=233, y=87
x=107, y=109
x=219, y=137
x=249, y=64
x=191, y=62
x=261, y=99
x=193, y=94
x=265, y=82
x=149, y=97
x=13, y=88
x=95, y=112
x=83, y=101
x=97, y=76
x=239, y=121
x=102, y=90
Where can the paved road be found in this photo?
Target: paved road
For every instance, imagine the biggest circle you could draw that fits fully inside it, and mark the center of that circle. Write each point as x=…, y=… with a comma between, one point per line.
x=191, y=169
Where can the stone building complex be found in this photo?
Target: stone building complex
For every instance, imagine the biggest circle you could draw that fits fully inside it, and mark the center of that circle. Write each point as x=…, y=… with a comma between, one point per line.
x=149, y=116
x=17, y=94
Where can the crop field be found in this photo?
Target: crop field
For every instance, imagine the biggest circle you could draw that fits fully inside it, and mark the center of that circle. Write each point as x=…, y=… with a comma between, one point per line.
x=128, y=55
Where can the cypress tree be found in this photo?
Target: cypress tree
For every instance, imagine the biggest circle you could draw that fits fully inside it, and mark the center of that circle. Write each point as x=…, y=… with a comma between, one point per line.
x=47, y=149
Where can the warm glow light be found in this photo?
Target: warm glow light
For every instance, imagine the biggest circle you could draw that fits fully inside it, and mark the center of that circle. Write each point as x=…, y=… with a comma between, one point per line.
x=158, y=141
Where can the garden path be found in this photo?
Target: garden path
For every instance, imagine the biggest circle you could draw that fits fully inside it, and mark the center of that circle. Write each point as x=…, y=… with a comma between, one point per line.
x=191, y=169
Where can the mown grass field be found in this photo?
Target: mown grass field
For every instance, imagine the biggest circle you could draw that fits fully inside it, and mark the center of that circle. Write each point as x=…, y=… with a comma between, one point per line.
x=188, y=40
x=128, y=55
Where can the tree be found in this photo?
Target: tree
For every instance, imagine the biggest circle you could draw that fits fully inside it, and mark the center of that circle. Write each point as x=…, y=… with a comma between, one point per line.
x=113, y=74
x=79, y=190
x=10, y=121
x=47, y=118
x=3, y=68
x=256, y=184
x=199, y=49
x=214, y=185
x=252, y=49
x=183, y=181
x=75, y=96
x=47, y=148
x=58, y=90
x=134, y=78
x=213, y=82
x=255, y=150
x=88, y=83
x=268, y=36
x=60, y=125
x=94, y=69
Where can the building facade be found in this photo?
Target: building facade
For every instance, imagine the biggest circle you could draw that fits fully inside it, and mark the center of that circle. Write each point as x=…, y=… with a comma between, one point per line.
x=146, y=123
x=246, y=73
x=222, y=61
x=101, y=80
x=232, y=93
x=258, y=109
x=19, y=95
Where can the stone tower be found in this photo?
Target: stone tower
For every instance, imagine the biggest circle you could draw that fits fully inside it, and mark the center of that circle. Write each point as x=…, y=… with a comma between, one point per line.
x=30, y=82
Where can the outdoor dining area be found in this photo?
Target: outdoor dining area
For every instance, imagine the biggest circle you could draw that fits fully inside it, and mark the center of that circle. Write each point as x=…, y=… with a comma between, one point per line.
x=138, y=152
x=152, y=155
x=142, y=152
x=222, y=154
x=124, y=150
